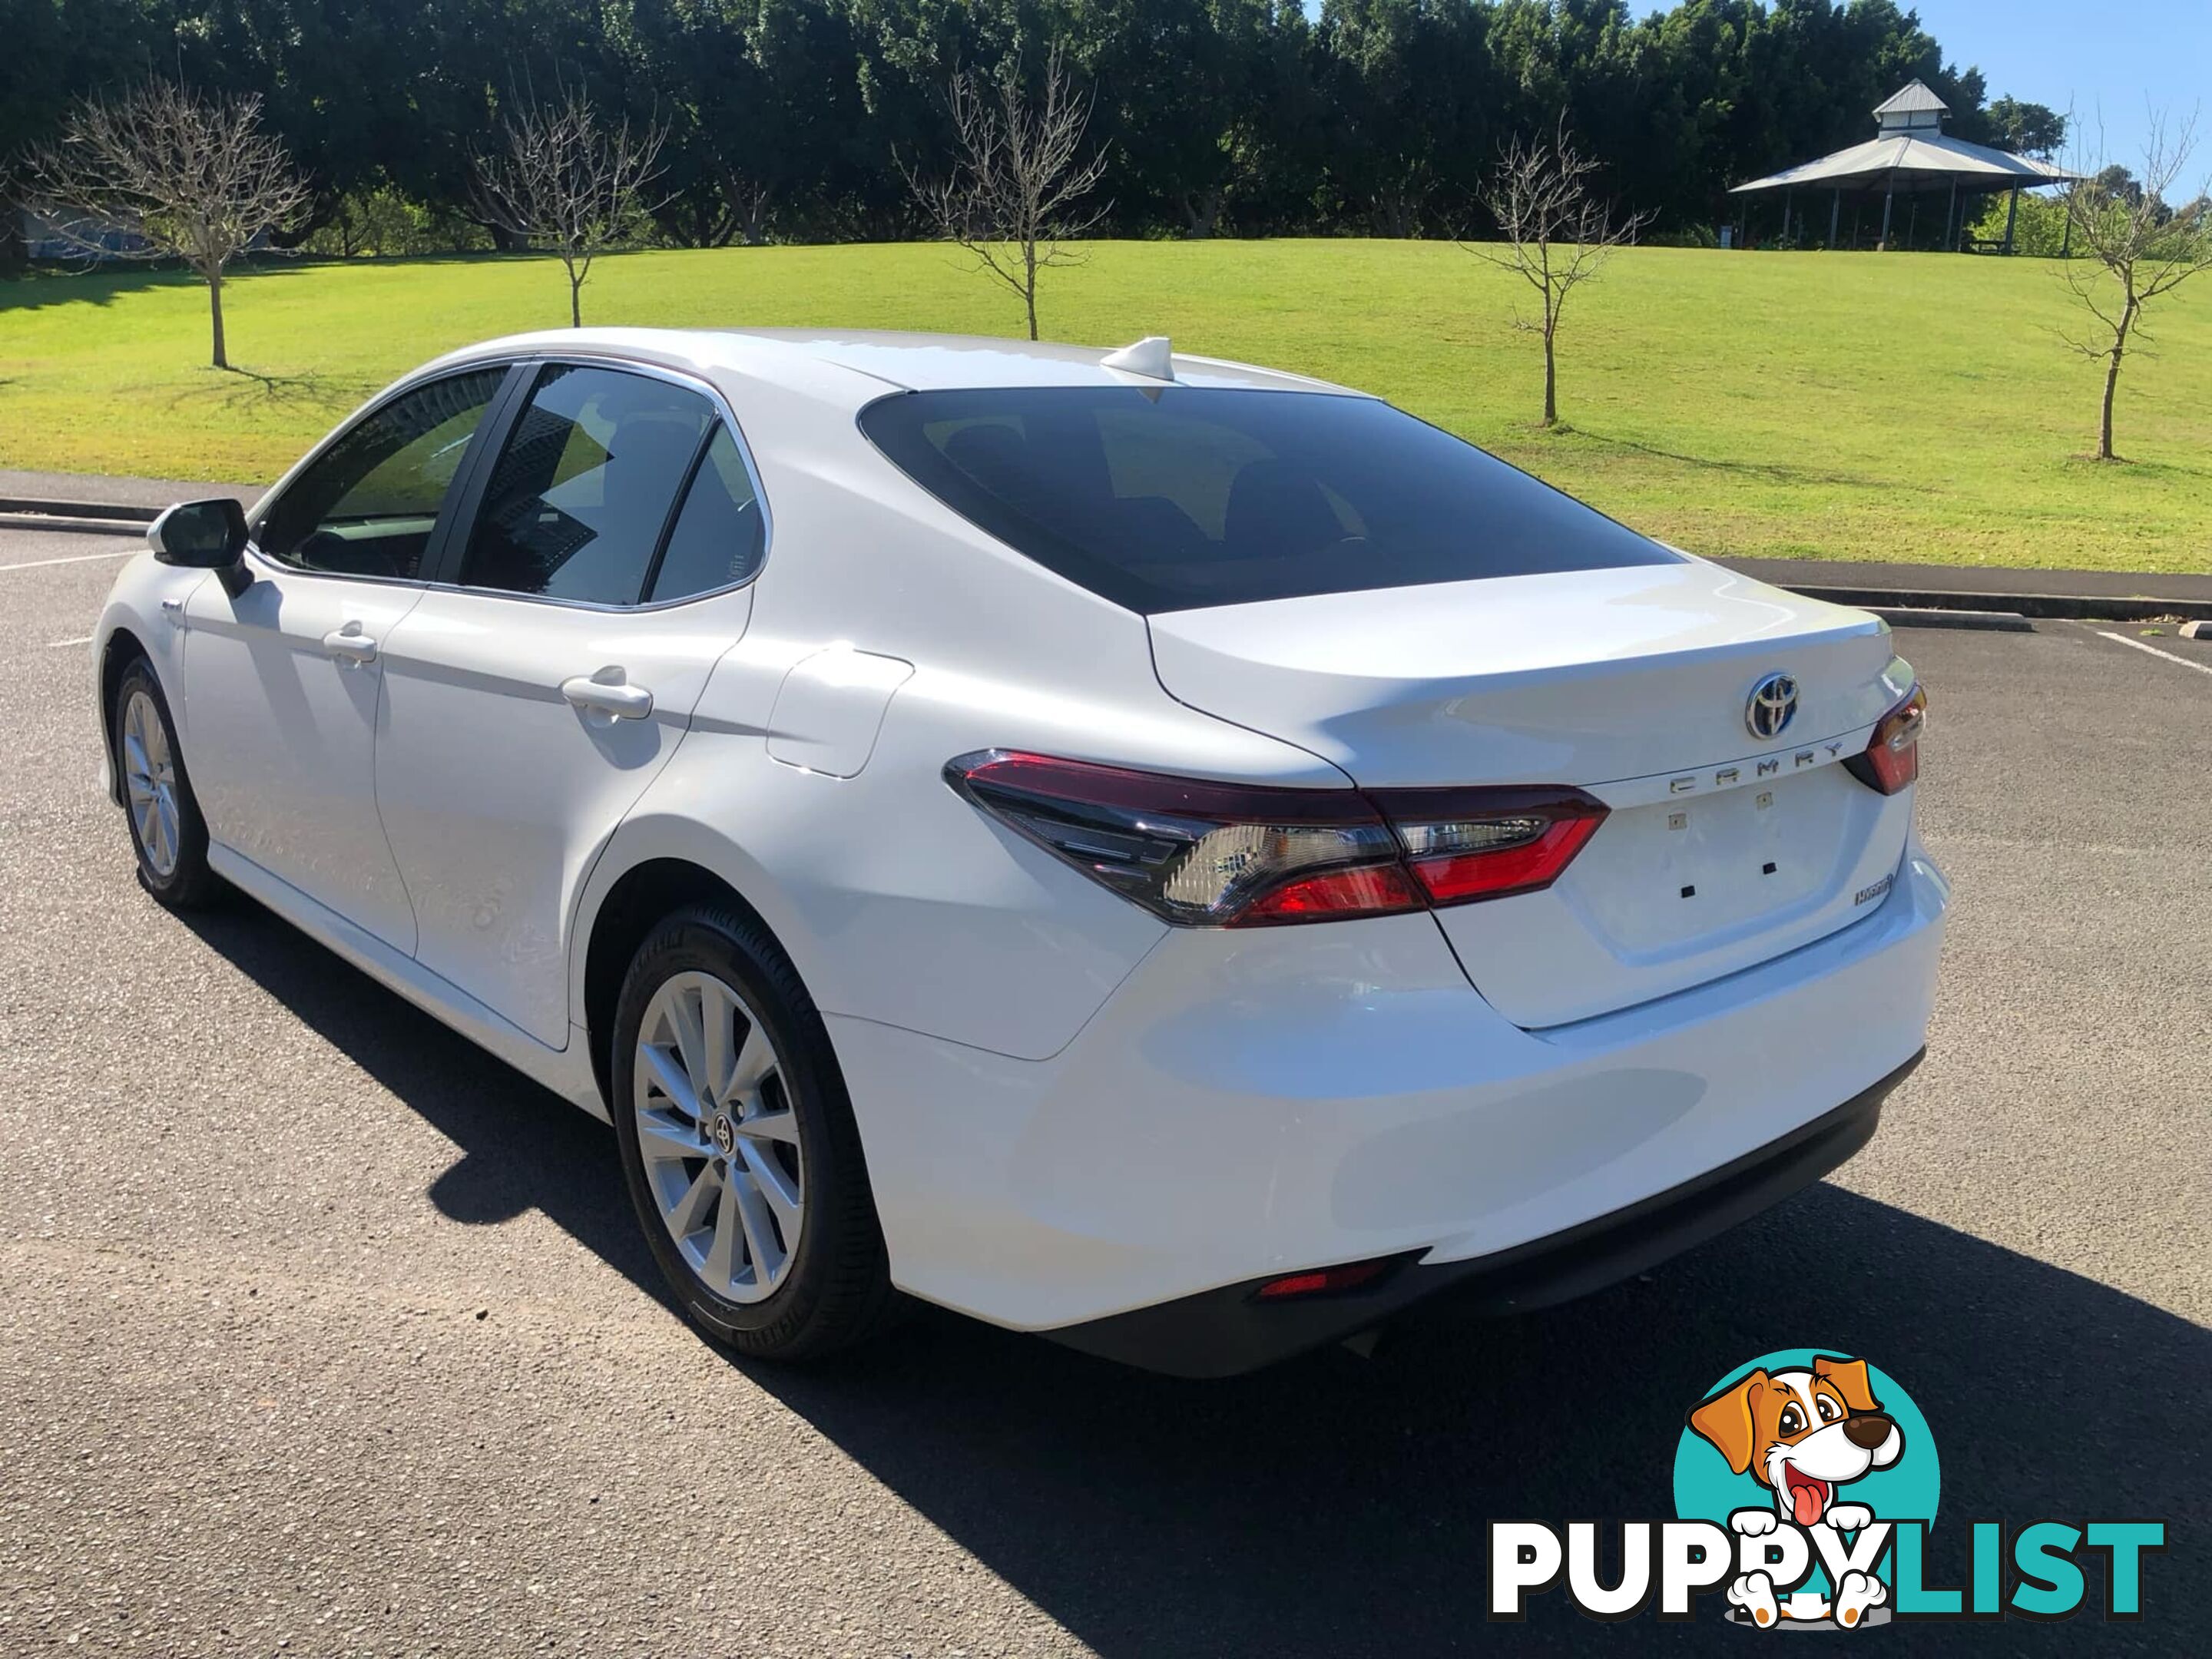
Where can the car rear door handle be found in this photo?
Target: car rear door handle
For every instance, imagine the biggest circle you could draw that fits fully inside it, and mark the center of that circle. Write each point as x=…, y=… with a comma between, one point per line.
x=608, y=693
x=350, y=645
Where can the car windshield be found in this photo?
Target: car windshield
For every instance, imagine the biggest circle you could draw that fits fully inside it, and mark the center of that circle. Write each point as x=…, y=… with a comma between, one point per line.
x=1173, y=498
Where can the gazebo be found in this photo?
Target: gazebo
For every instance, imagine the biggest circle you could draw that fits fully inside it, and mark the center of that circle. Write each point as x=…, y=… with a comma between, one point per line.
x=1910, y=155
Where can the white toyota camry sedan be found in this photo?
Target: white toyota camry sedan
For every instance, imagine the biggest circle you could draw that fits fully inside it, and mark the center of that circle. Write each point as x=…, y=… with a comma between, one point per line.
x=1182, y=858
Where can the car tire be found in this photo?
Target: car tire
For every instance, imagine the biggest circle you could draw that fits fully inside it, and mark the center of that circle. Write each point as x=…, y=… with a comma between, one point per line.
x=721, y=1179
x=167, y=832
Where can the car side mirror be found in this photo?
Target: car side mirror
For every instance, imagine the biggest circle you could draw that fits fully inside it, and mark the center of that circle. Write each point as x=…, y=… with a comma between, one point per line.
x=206, y=535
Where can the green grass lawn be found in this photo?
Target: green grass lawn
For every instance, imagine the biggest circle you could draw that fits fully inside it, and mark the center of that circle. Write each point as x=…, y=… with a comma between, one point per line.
x=1908, y=406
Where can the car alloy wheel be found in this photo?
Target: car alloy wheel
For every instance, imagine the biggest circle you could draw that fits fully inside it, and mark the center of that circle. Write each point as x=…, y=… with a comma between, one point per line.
x=718, y=1136
x=149, y=782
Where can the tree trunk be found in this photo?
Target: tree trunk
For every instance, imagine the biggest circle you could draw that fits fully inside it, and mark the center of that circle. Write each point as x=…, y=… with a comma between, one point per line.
x=1029, y=285
x=1200, y=214
x=1551, y=381
x=2112, y=381
x=576, y=301
x=221, y=358
x=15, y=257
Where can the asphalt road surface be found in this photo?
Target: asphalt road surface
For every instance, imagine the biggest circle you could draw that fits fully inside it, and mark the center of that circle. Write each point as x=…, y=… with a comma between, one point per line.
x=323, y=1333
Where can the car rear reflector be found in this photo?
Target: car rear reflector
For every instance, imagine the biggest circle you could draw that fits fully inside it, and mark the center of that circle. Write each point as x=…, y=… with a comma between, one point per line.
x=1892, y=757
x=1227, y=855
x=1321, y=1280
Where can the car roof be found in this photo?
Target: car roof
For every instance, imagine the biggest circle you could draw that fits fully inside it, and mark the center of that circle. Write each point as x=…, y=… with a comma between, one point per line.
x=880, y=361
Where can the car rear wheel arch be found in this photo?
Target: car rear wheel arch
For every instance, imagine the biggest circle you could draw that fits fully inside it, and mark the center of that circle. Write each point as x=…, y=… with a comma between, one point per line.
x=640, y=899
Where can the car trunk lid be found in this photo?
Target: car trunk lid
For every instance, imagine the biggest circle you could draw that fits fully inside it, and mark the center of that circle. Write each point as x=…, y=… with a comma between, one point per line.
x=1722, y=848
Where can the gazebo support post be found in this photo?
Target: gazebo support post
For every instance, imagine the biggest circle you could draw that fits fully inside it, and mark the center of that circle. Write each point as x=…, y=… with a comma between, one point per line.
x=2066, y=246
x=1950, y=240
x=1887, y=197
x=1784, y=237
x=2012, y=213
x=1835, y=214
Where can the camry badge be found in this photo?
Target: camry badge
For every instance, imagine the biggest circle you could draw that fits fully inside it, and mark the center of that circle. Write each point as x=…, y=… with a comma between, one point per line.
x=1773, y=703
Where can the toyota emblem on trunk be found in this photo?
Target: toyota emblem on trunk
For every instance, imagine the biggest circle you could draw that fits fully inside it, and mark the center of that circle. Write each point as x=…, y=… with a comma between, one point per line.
x=1773, y=702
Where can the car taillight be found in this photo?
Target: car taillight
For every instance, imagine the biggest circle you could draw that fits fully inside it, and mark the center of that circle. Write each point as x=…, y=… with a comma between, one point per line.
x=1238, y=855
x=1468, y=844
x=1892, y=757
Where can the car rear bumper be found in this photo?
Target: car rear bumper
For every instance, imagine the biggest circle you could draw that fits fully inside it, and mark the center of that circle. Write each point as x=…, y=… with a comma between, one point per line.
x=1257, y=1103
x=1223, y=1331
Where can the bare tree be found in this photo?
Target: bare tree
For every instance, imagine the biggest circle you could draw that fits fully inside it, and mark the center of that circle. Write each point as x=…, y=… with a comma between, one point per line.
x=1558, y=233
x=160, y=172
x=565, y=180
x=1019, y=179
x=2133, y=248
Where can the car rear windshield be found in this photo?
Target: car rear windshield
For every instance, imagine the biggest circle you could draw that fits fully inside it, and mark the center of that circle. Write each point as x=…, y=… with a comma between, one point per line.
x=1173, y=498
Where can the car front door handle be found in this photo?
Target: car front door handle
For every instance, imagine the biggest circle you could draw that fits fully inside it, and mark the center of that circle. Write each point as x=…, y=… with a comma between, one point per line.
x=350, y=645
x=608, y=693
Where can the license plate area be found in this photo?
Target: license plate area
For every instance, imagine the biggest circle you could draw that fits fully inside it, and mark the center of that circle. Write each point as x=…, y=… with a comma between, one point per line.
x=1690, y=873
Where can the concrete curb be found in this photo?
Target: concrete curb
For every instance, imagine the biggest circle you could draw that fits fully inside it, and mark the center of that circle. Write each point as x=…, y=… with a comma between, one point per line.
x=2075, y=606
x=2001, y=621
x=74, y=525
x=17, y=506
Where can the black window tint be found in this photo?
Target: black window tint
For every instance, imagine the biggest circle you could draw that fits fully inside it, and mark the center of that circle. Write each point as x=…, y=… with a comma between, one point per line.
x=581, y=492
x=367, y=505
x=719, y=535
x=1185, y=496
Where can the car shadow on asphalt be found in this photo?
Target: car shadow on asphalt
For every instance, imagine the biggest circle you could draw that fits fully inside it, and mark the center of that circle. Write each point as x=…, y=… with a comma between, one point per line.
x=1338, y=1505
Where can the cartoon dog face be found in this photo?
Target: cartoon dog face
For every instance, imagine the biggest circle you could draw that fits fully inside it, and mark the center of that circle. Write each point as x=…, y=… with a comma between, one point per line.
x=1802, y=1433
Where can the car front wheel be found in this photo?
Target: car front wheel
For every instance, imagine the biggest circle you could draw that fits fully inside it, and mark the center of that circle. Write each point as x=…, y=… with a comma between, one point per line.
x=738, y=1144
x=166, y=830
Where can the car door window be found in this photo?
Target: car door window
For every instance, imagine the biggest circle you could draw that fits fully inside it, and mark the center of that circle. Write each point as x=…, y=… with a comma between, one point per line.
x=582, y=493
x=720, y=536
x=368, y=504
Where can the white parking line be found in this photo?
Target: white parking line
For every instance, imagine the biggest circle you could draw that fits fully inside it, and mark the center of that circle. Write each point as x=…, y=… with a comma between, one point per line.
x=2201, y=668
x=74, y=558
x=56, y=644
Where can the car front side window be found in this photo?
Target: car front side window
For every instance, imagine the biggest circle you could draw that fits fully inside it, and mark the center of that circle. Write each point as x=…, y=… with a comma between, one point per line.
x=581, y=494
x=367, y=505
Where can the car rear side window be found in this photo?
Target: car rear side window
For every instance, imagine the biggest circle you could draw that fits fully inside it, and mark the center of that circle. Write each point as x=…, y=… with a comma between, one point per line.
x=1177, y=497
x=720, y=536
x=366, y=505
x=582, y=490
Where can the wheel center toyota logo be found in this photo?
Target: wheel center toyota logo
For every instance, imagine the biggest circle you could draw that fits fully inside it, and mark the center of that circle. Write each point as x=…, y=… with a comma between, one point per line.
x=1773, y=703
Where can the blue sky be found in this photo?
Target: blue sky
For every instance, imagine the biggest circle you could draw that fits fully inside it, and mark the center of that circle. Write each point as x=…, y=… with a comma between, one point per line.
x=2105, y=58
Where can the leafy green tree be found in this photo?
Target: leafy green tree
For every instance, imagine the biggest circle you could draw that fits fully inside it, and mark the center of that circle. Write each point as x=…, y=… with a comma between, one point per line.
x=1186, y=90
x=2024, y=129
x=1414, y=95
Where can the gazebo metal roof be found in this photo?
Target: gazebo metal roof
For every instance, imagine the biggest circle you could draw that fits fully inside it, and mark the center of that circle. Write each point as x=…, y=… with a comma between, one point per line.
x=1905, y=162
x=1913, y=98
x=1912, y=153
